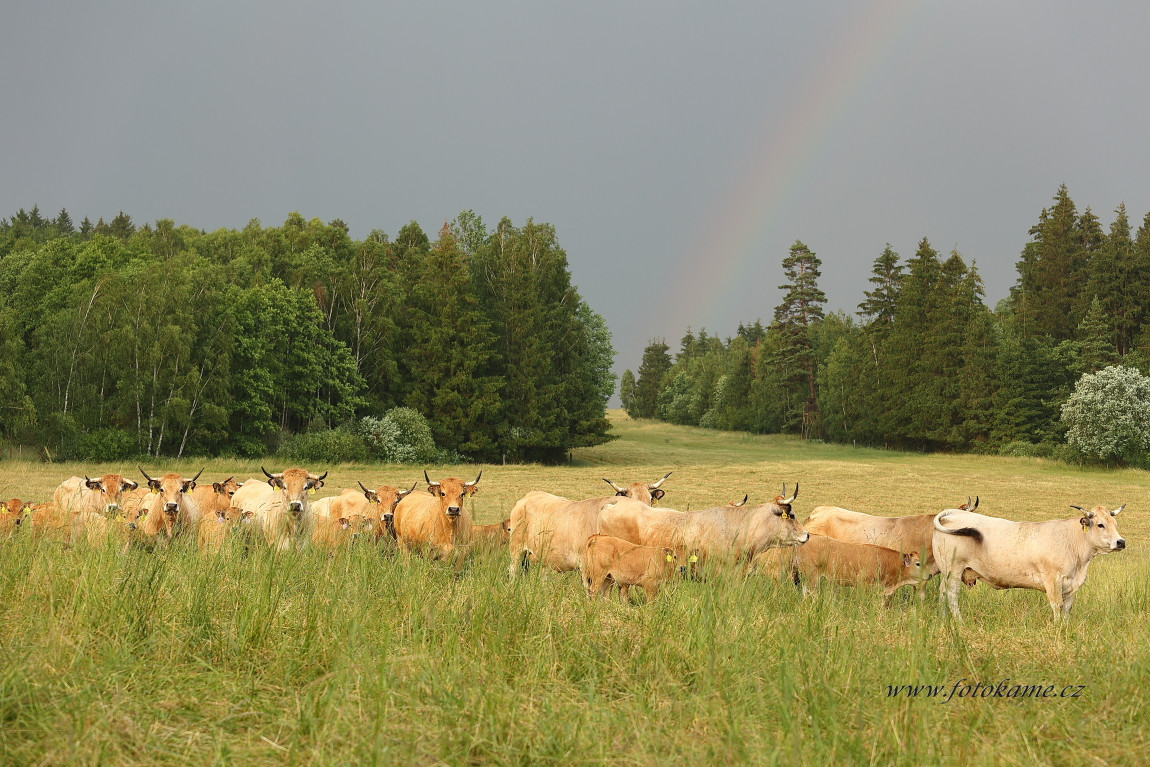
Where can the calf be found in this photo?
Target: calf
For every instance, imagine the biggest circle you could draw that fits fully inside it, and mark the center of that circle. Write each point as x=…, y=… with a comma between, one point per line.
x=331, y=533
x=493, y=537
x=1048, y=556
x=850, y=564
x=217, y=526
x=608, y=560
x=12, y=514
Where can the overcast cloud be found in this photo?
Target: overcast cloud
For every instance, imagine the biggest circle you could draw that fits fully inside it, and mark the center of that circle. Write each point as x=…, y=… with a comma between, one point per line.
x=679, y=149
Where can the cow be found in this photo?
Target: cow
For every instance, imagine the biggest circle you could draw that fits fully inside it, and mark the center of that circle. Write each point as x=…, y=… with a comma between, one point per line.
x=725, y=532
x=377, y=505
x=331, y=532
x=436, y=521
x=280, y=507
x=905, y=534
x=48, y=522
x=1051, y=556
x=611, y=561
x=494, y=536
x=77, y=501
x=850, y=564
x=216, y=525
x=215, y=497
x=170, y=508
x=12, y=514
x=552, y=531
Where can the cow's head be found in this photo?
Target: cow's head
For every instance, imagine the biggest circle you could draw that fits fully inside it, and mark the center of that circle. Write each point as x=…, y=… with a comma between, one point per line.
x=387, y=498
x=679, y=559
x=648, y=494
x=1100, y=527
x=109, y=488
x=295, y=484
x=912, y=567
x=226, y=489
x=790, y=533
x=968, y=506
x=172, y=489
x=451, y=493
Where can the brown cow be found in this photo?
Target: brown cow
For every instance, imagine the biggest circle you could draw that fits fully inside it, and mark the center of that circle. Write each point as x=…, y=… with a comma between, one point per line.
x=725, y=532
x=170, y=508
x=77, y=501
x=553, y=531
x=905, y=534
x=377, y=505
x=611, y=561
x=217, y=525
x=850, y=564
x=331, y=533
x=281, y=508
x=436, y=520
x=12, y=514
x=48, y=522
x=492, y=537
x=215, y=497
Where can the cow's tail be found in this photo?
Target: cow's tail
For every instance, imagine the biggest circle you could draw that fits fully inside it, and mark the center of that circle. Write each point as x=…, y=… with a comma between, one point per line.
x=970, y=532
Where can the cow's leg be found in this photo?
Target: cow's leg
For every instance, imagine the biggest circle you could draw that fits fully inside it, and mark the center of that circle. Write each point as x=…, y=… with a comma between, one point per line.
x=1053, y=584
x=948, y=587
x=624, y=593
x=1067, y=603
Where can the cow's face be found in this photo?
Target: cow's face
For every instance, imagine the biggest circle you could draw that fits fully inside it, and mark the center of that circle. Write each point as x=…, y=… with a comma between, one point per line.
x=295, y=484
x=357, y=525
x=387, y=498
x=451, y=493
x=1100, y=526
x=912, y=567
x=172, y=489
x=108, y=489
x=789, y=531
x=648, y=494
x=678, y=560
x=226, y=489
x=505, y=529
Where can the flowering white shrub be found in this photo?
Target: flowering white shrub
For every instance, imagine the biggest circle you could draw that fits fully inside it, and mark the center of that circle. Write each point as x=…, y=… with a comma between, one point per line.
x=401, y=436
x=1108, y=414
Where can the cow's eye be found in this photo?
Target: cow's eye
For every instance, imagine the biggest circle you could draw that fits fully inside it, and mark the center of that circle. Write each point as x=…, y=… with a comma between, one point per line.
x=1102, y=525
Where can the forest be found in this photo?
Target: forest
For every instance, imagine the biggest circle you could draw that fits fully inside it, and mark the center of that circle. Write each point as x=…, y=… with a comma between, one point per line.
x=1055, y=369
x=163, y=340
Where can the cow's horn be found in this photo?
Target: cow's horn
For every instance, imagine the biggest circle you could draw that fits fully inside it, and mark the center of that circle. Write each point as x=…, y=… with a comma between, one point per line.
x=269, y=476
x=433, y=484
x=321, y=477
x=361, y=487
x=1077, y=507
x=975, y=503
x=664, y=479
x=740, y=503
x=141, y=468
x=612, y=484
x=198, y=473
x=409, y=490
x=1117, y=511
x=794, y=495
x=475, y=482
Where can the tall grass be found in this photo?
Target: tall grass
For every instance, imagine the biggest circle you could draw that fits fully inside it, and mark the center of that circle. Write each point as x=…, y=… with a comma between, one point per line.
x=172, y=657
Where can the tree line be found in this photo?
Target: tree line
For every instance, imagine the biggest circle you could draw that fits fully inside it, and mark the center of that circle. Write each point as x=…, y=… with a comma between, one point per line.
x=924, y=363
x=165, y=340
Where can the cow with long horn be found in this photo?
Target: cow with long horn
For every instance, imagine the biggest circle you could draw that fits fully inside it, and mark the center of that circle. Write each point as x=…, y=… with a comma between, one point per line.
x=437, y=521
x=281, y=508
x=169, y=509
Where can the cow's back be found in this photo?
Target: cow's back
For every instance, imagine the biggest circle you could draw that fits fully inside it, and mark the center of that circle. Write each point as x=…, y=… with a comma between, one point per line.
x=68, y=496
x=267, y=507
x=907, y=534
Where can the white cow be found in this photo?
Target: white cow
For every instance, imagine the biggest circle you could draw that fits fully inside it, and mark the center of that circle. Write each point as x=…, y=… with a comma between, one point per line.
x=1048, y=556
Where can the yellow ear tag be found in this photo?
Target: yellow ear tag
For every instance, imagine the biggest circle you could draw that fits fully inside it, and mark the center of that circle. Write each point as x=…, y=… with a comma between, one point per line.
x=693, y=559
x=670, y=558
x=311, y=491
x=153, y=491
x=1084, y=526
x=6, y=511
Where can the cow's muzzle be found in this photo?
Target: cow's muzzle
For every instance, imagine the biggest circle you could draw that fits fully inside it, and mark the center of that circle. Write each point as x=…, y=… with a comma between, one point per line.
x=453, y=511
x=296, y=507
x=804, y=537
x=171, y=508
x=1120, y=544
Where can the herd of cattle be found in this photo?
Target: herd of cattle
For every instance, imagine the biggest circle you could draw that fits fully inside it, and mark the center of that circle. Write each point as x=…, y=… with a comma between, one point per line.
x=619, y=540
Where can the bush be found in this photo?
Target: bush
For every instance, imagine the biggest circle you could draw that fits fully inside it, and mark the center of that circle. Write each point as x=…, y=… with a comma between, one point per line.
x=1022, y=449
x=1108, y=414
x=324, y=447
x=104, y=445
x=401, y=436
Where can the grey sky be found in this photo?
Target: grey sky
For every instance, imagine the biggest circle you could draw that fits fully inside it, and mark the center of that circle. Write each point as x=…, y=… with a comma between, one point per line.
x=679, y=149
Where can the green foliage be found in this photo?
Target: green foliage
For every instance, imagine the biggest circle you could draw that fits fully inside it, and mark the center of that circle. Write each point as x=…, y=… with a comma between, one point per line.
x=1108, y=415
x=323, y=447
x=106, y=445
x=652, y=370
x=401, y=436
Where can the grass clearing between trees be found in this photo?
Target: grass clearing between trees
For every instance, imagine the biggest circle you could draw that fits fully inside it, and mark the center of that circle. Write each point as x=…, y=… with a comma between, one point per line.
x=177, y=658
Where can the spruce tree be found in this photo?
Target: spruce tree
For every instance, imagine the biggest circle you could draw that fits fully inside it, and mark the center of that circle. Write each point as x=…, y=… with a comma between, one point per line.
x=880, y=303
x=801, y=308
x=1053, y=268
x=656, y=362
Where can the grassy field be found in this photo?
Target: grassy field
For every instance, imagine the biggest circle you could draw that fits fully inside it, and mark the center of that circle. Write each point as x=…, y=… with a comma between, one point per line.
x=177, y=658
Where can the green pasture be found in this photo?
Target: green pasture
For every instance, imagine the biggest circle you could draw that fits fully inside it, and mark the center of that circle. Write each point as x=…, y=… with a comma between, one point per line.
x=173, y=657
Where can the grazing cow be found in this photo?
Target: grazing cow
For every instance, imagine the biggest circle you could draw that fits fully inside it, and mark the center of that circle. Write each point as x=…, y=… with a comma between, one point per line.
x=170, y=508
x=12, y=515
x=217, y=525
x=608, y=560
x=726, y=532
x=1050, y=556
x=847, y=563
x=905, y=534
x=436, y=520
x=553, y=531
x=280, y=509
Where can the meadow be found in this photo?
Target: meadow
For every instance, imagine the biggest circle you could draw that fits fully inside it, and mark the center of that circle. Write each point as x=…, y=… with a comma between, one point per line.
x=171, y=657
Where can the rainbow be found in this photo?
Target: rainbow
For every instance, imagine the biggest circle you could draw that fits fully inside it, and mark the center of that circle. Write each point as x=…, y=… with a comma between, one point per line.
x=730, y=242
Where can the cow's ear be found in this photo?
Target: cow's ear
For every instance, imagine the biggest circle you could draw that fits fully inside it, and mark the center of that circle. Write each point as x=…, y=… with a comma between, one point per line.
x=906, y=560
x=778, y=512
x=93, y=484
x=217, y=487
x=343, y=523
x=1084, y=522
x=472, y=489
x=658, y=493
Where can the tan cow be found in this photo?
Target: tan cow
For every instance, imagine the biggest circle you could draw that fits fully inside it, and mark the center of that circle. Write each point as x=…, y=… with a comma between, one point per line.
x=552, y=531
x=331, y=533
x=492, y=537
x=215, y=497
x=12, y=514
x=724, y=532
x=77, y=501
x=905, y=534
x=170, y=508
x=377, y=505
x=436, y=521
x=849, y=564
x=281, y=511
x=1048, y=556
x=217, y=526
x=611, y=561
x=49, y=523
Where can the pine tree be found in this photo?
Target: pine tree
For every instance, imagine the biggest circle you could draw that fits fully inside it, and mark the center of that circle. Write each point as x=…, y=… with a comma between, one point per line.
x=63, y=223
x=1113, y=281
x=880, y=303
x=122, y=226
x=653, y=369
x=800, y=310
x=86, y=228
x=1053, y=268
